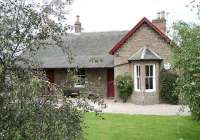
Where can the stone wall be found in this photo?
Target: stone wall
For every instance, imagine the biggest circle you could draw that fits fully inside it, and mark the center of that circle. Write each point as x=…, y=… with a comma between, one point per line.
x=144, y=37
x=97, y=79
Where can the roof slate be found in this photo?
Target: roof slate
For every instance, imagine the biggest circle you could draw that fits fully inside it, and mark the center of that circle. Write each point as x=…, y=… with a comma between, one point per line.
x=145, y=54
x=89, y=50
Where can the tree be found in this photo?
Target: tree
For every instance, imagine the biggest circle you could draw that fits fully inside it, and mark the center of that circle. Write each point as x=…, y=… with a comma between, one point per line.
x=187, y=64
x=27, y=109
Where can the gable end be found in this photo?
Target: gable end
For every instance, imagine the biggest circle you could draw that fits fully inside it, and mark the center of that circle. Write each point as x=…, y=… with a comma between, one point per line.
x=134, y=29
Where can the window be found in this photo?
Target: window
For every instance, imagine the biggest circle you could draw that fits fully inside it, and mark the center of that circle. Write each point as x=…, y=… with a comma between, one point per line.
x=137, y=79
x=80, y=78
x=150, y=78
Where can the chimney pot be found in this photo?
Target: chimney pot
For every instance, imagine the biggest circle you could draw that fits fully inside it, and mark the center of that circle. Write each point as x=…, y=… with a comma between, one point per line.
x=158, y=15
x=77, y=25
x=162, y=14
x=160, y=21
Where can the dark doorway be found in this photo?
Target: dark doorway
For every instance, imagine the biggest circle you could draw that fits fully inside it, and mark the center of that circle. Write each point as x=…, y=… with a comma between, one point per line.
x=110, y=83
x=50, y=75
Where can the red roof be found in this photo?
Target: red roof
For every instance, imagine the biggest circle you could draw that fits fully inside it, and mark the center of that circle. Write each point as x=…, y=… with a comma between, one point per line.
x=132, y=31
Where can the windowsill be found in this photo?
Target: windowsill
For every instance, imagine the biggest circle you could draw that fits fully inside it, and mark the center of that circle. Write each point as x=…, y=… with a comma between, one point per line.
x=145, y=90
x=150, y=90
x=137, y=90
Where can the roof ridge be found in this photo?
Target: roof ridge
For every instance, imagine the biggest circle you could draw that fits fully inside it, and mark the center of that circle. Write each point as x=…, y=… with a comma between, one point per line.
x=155, y=53
x=102, y=32
x=143, y=52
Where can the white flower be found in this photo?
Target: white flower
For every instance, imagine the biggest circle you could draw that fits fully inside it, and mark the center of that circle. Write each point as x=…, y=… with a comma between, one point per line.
x=193, y=83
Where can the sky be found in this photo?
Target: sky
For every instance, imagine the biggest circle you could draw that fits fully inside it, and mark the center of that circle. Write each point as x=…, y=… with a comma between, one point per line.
x=110, y=15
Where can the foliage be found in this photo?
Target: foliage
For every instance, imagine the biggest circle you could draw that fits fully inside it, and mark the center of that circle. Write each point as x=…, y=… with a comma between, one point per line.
x=187, y=64
x=121, y=126
x=167, y=87
x=71, y=79
x=26, y=114
x=30, y=107
x=124, y=86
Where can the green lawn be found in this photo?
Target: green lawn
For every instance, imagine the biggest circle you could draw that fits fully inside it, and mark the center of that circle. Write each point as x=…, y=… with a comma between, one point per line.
x=140, y=127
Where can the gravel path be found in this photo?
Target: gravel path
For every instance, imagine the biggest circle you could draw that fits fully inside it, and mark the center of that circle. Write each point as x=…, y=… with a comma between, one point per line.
x=158, y=109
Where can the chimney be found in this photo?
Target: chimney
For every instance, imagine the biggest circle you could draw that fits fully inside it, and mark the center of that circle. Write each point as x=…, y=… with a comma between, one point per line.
x=160, y=21
x=77, y=25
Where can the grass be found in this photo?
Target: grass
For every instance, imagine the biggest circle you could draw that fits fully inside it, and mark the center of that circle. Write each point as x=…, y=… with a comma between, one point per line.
x=141, y=127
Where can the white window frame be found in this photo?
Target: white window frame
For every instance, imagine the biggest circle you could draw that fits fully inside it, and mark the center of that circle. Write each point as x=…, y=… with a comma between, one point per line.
x=78, y=85
x=136, y=77
x=154, y=78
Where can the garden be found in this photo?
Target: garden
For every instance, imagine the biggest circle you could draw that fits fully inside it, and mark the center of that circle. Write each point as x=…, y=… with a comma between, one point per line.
x=140, y=127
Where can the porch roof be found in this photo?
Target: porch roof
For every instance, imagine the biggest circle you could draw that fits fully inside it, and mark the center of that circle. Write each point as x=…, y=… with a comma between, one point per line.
x=144, y=54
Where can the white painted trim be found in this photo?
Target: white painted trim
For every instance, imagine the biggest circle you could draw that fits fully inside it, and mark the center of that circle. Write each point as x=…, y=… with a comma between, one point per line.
x=135, y=77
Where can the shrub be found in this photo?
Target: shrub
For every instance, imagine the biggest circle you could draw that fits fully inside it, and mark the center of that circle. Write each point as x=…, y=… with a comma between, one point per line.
x=124, y=86
x=187, y=63
x=167, y=83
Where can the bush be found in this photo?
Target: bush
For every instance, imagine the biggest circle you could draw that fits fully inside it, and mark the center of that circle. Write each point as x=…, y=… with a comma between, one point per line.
x=167, y=83
x=27, y=112
x=187, y=63
x=124, y=86
x=31, y=108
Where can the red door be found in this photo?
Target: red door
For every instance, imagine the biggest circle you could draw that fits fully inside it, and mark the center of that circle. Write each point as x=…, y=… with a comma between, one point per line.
x=50, y=75
x=110, y=83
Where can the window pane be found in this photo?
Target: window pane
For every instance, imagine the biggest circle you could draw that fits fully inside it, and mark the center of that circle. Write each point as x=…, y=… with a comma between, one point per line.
x=149, y=76
x=139, y=70
x=146, y=70
x=137, y=77
x=150, y=83
x=138, y=83
x=146, y=83
x=151, y=70
x=80, y=77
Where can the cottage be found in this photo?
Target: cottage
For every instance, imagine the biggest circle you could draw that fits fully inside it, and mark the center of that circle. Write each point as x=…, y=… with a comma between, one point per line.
x=100, y=57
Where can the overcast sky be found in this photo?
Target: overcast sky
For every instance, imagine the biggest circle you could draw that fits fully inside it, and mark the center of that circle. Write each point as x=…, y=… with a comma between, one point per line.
x=108, y=15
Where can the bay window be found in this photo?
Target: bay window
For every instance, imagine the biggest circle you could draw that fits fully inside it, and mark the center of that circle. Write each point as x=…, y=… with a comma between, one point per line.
x=148, y=75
